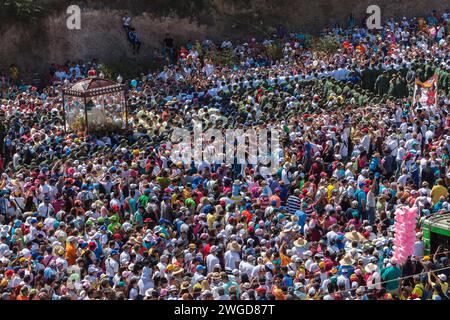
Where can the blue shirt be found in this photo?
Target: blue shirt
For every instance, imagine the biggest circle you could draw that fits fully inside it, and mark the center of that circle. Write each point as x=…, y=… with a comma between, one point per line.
x=287, y=281
x=49, y=273
x=374, y=163
x=346, y=270
x=301, y=218
x=2, y=205
x=98, y=250
x=361, y=197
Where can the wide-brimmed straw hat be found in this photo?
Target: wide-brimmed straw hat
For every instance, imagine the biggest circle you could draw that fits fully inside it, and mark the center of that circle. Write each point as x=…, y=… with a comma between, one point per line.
x=371, y=267
x=355, y=236
x=300, y=242
x=347, y=260
x=234, y=246
x=177, y=271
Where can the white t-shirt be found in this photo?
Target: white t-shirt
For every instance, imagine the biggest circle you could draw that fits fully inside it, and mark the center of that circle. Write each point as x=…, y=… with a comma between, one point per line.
x=231, y=258
x=419, y=249
x=331, y=235
x=247, y=268
x=3, y=248
x=211, y=261
x=48, y=223
x=112, y=267
x=133, y=294
x=400, y=154
x=403, y=179
x=374, y=279
x=44, y=210
x=124, y=258
x=393, y=146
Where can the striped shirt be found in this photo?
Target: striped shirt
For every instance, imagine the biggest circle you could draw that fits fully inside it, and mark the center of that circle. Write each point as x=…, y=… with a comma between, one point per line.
x=264, y=202
x=293, y=204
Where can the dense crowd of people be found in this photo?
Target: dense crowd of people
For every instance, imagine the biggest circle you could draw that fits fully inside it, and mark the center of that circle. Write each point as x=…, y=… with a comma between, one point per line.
x=110, y=215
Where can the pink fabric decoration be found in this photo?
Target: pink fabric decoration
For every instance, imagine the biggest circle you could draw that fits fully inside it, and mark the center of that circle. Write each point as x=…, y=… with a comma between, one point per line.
x=405, y=233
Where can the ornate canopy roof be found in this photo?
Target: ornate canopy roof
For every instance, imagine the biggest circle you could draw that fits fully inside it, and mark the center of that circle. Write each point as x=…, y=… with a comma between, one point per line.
x=93, y=86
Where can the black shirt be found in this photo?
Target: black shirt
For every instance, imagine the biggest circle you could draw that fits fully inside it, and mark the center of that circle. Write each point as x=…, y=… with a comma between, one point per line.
x=168, y=42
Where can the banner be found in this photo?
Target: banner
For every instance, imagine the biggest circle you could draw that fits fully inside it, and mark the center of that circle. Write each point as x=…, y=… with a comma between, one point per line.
x=425, y=93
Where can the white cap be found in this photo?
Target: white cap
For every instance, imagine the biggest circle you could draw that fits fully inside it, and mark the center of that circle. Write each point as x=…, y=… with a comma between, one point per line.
x=442, y=277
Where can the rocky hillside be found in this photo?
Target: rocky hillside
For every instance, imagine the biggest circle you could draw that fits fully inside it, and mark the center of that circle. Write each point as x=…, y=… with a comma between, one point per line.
x=35, y=39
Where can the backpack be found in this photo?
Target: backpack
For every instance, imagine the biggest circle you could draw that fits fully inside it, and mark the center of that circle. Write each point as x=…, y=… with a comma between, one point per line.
x=131, y=36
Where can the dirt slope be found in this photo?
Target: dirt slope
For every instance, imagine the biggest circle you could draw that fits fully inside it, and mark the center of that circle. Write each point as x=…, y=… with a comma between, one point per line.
x=34, y=46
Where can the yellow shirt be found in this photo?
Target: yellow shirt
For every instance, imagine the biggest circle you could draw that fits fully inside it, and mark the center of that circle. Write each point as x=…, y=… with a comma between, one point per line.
x=437, y=192
x=444, y=287
x=285, y=260
x=186, y=193
x=71, y=254
x=210, y=218
x=329, y=189
x=418, y=290
x=174, y=199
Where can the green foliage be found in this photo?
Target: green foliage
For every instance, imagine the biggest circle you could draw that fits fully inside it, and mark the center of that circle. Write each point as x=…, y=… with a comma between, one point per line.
x=108, y=73
x=222, y=58
x=328, y=44
x=308, y=40
x=24, y=10
x=198, y=48
x=274, y=51
x=128, y=69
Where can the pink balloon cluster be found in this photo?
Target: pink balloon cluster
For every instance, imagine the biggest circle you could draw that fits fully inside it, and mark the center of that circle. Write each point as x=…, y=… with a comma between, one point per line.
x=405, y=233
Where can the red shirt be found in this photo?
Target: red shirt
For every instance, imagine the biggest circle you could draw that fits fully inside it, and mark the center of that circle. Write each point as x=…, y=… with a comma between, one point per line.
x=316, y=235
x=248, y=216
x=165, y=116
x=206, y=250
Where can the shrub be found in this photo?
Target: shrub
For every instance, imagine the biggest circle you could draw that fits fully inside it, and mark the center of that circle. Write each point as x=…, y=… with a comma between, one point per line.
x=24, y=10
x=328, y=44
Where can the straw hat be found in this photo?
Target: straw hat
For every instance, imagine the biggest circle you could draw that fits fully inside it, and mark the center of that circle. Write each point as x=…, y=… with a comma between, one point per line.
x=219, y=209
x=138, y=239
x=300, y=242
x=347, y=260
x=177, y=271
x=185, y=285
x=355, y=236
x=216, y=276
x=287, y=227
x=371, y=268
x=234, y=246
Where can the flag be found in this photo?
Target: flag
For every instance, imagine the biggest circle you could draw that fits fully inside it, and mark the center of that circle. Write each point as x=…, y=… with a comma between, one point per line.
x=425, y=93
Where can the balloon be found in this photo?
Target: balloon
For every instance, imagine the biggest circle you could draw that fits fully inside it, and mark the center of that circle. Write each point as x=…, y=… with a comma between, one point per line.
x=134, y=83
